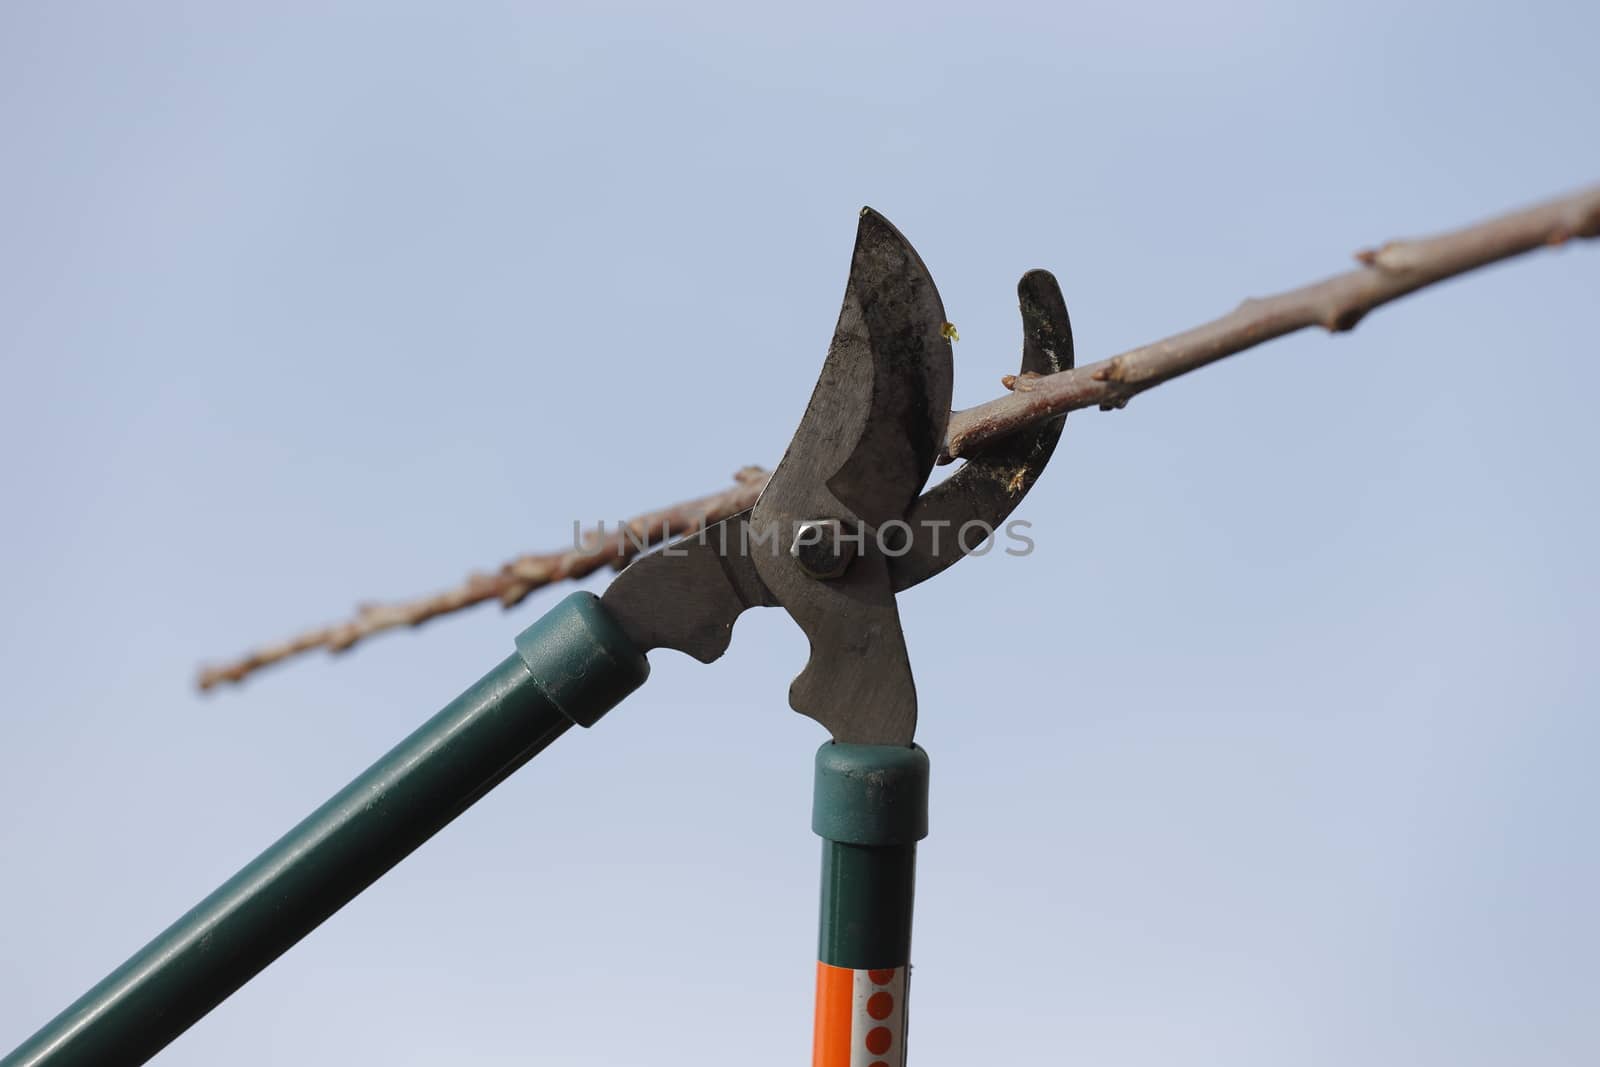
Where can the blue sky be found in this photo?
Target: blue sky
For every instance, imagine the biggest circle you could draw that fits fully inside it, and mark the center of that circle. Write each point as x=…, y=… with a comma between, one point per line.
x=1277, y=750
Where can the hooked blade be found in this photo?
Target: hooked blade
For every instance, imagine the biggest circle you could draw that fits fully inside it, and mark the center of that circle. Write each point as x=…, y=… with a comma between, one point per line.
x=993, y=481
x=862, y=452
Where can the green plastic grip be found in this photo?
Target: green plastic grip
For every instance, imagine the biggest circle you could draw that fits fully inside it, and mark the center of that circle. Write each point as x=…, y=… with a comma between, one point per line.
x=870, y=806
x=581, y=659
x=571, y=666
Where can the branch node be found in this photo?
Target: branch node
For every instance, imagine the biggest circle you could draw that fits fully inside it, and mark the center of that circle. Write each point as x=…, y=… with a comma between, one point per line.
x=1343, y=320
x=1393, y=257
x=1114, y=403
x=1114, y=370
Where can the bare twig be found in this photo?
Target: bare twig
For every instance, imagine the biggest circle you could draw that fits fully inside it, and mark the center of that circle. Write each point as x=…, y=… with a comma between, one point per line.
x=1336, y=304
x=512, y=582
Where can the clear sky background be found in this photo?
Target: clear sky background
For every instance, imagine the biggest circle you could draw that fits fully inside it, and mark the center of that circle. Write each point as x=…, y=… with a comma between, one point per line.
x=1278, y=750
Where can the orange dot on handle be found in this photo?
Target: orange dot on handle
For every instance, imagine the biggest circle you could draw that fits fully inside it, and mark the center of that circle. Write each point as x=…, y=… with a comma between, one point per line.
x=878, y=1040
x=881, y=977
x=879, y=1005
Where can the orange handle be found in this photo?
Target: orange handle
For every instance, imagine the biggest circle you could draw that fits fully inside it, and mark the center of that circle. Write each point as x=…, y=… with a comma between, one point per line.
x=861, y=1017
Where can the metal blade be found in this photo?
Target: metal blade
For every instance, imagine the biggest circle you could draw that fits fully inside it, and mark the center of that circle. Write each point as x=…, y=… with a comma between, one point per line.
x=864, y=448
x=688, y=594
x=953, y=517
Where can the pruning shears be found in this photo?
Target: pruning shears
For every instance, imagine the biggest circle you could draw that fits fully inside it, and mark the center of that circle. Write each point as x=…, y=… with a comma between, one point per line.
x=842, y=526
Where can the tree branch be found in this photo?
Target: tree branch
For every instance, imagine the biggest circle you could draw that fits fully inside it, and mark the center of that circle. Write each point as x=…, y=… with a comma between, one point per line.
x=1336, y=304
x=512, y=582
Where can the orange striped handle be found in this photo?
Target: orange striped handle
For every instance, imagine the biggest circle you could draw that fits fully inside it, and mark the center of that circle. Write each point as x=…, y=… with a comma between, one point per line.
x=861, y=1018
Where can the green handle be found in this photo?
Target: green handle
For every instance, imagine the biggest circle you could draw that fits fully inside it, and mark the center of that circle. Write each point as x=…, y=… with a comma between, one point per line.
x=572, y=666
x=870, y=807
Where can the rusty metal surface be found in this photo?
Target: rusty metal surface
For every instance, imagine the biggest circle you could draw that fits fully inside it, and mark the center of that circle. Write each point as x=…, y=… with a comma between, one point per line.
x=862, y=452
x=870, y=436
x=688, y=595
x=993, y=481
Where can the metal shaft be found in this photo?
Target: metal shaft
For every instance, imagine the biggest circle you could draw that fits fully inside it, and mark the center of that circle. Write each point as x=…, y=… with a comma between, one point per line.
x=571, y=666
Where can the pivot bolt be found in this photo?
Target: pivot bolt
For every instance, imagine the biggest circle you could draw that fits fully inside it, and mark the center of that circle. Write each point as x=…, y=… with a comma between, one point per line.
x=821, y=548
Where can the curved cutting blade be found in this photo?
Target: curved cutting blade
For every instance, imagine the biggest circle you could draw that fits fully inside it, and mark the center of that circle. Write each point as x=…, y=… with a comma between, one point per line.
x=953, y=518
x=864, y=448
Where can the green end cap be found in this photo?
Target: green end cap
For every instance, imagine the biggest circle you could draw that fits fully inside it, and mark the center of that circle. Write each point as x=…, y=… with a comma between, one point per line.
x=871, y=794
x=581, y=659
